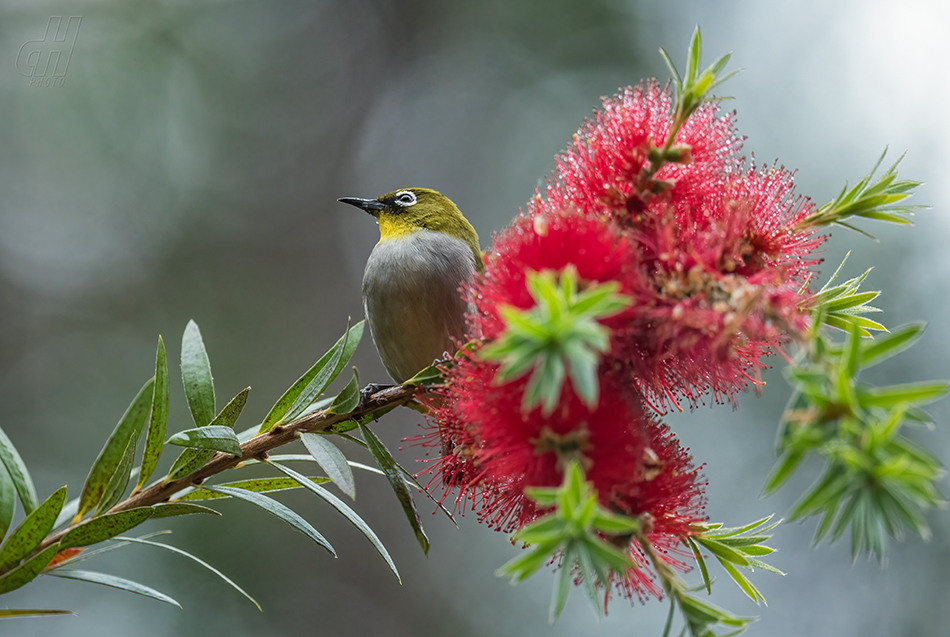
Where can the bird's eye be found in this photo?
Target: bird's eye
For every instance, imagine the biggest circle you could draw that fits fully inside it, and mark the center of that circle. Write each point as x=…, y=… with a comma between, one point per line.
x=405, y=198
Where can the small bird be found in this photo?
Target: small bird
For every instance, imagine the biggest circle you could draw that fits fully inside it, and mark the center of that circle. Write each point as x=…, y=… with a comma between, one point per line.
x=411, y=286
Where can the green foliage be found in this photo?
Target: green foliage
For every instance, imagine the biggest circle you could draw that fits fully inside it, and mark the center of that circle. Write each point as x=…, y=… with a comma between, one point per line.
x=741, y=546
x=574, y=531
x=868, y=201
x=257, y=485
x=196, y=376
x=18, y=473
x=112, y=581
x=876, y=480
x=178, y=551
x=843, y=305
x=158, y=422
x=344, y=510
x=308, y=387
x=693, y=89
x=7, y=500
x=212, y=437
x=104, y=527
x=28, y=570
x=110, y=460
x=395, y=475
x=202, y=442
x=31, y=531
x=278, y=510
x=331, y=460
x=559, y=337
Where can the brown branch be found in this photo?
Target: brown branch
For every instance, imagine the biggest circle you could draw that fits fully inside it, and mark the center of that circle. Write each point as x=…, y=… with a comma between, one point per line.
x=255, y=448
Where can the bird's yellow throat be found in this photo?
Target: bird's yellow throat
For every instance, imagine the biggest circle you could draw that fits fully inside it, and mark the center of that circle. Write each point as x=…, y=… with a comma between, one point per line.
x=393, y=227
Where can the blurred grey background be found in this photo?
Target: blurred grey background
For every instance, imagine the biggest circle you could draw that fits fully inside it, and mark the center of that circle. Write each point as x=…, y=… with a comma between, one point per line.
x=188, y=166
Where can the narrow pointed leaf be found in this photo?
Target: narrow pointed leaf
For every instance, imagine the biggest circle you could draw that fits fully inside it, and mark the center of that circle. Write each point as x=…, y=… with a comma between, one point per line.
x=113, y=582
x=32, y=612
x=278, y=510
x=346, y=511
x=18, y=473
x=157, y=424
x=743, y=583
x=170, y=509
x=27, y=572
x=111, y=455
x=280, y=409
x=179, y=551
x=104, y=527
x=188, y=462
x=120, y=479
x=339, y=357
x=698, y=556
x=7, y=500
x=196, y=376
x=348, y=399
x=216, y=437
x=331, y=460
x=389, y=467
x=258, y=485
x=232, y=411
x=32, y=530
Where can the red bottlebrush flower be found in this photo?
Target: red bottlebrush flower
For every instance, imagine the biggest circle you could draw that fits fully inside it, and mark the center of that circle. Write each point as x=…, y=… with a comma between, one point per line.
x=494, y=451
x=714, y=262
x=546, y=242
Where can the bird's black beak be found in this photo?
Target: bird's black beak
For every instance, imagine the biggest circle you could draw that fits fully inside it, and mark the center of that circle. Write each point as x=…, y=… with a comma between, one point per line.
x=371, y=206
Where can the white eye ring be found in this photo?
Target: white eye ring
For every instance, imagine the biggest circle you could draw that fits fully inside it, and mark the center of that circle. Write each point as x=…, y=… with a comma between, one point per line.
x=405, y=198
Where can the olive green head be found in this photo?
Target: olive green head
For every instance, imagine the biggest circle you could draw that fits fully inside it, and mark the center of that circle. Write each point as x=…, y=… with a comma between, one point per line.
x=403, y=212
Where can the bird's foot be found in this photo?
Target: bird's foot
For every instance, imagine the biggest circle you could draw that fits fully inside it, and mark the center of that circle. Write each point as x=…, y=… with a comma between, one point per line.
x=371, y=389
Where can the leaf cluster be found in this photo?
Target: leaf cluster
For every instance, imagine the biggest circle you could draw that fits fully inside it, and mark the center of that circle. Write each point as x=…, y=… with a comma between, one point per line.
x=100, y=514
x=558, y=337
x=876, y=480
x=878, y=200
x=578, y=532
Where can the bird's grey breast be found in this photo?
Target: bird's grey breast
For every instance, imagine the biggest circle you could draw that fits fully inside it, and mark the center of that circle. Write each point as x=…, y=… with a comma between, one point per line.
x=412, y=300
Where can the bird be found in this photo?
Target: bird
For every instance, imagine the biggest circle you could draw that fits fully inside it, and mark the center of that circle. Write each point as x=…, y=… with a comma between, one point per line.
x=414, y=281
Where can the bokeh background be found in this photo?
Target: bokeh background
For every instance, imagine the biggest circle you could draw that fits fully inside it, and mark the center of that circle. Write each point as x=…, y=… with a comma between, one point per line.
x=188, y=167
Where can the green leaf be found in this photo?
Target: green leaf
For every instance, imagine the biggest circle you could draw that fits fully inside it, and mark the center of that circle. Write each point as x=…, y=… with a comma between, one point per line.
x=743, y=583
x=104, y=527
x=169, y=509
x=232, y=411
x=173, y=549
x=196, y=375
x=157, y=424
x=562, y=588
x=918, y=393
x=109, y=459
x=346, y=511
x=31, y=531
x=331, y=460
x=348, y=399
x=114, y=582
x=326, y=368
x=340, y=356
x=257, y=485
x=120, y=479
x=7, y=500
x=27, y=572
x=392, y=471
x=429, y=376
x=33, y=612
x=698, y=556
x=278, y=510
x=18, y=472
x=216, y=437
x=782, y=471
x=188, y=462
